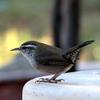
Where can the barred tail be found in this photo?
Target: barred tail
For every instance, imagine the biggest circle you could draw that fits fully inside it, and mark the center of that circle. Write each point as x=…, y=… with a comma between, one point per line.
x=80, y=46
x=73, y=53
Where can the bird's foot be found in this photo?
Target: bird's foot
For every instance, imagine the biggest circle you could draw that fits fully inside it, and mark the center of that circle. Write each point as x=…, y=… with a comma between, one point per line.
x=50, y=80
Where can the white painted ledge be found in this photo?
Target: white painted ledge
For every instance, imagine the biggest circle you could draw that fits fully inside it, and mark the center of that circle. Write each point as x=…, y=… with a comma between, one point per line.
x=83, y=85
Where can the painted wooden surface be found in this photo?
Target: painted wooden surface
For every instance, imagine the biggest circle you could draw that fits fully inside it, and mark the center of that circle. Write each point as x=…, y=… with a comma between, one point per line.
x=82, y=85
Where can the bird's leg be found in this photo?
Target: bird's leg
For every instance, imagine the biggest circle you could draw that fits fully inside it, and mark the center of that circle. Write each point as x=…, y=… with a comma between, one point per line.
x=53, y=79
x=58, y=74
x=43, y=80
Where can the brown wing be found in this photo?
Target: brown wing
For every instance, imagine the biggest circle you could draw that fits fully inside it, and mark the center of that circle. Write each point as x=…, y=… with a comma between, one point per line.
x=50, y=56
x=51, y=61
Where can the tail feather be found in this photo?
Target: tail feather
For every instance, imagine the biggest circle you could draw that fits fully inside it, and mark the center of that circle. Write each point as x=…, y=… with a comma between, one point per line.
x=73, y=53
x=80, y=46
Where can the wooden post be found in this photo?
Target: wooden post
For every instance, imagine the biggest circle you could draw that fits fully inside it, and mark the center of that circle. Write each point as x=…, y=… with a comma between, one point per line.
x=66, y=24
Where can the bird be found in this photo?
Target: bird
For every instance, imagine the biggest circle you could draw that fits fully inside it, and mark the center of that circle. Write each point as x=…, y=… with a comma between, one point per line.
x=50, y=59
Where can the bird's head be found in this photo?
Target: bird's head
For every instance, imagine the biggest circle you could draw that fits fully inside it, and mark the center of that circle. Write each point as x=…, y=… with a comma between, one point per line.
x=27, y=48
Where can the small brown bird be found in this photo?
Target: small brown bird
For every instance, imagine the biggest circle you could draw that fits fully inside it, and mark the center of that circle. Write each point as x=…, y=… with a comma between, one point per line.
x=50, y=59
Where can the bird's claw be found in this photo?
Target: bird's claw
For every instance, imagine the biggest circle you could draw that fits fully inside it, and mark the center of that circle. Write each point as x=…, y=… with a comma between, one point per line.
x=50, y=80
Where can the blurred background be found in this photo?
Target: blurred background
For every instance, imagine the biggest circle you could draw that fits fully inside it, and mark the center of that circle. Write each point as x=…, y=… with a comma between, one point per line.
x=63, y=23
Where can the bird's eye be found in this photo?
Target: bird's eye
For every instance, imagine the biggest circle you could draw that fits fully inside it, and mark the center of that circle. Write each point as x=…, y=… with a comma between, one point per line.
x=31, y=46
x=23, y=47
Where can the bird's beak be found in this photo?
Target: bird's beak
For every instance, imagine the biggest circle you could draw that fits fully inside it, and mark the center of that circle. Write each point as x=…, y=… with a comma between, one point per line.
x=15, y=49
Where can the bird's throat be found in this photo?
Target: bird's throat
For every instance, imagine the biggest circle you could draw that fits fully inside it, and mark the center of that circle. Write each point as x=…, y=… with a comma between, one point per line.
x=30, y=59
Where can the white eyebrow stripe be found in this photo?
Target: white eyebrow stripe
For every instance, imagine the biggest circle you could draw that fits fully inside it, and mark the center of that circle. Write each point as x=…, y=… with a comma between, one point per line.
x=33, y=46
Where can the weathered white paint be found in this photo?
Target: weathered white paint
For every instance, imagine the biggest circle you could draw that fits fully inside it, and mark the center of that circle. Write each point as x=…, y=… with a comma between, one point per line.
x=82, y=85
